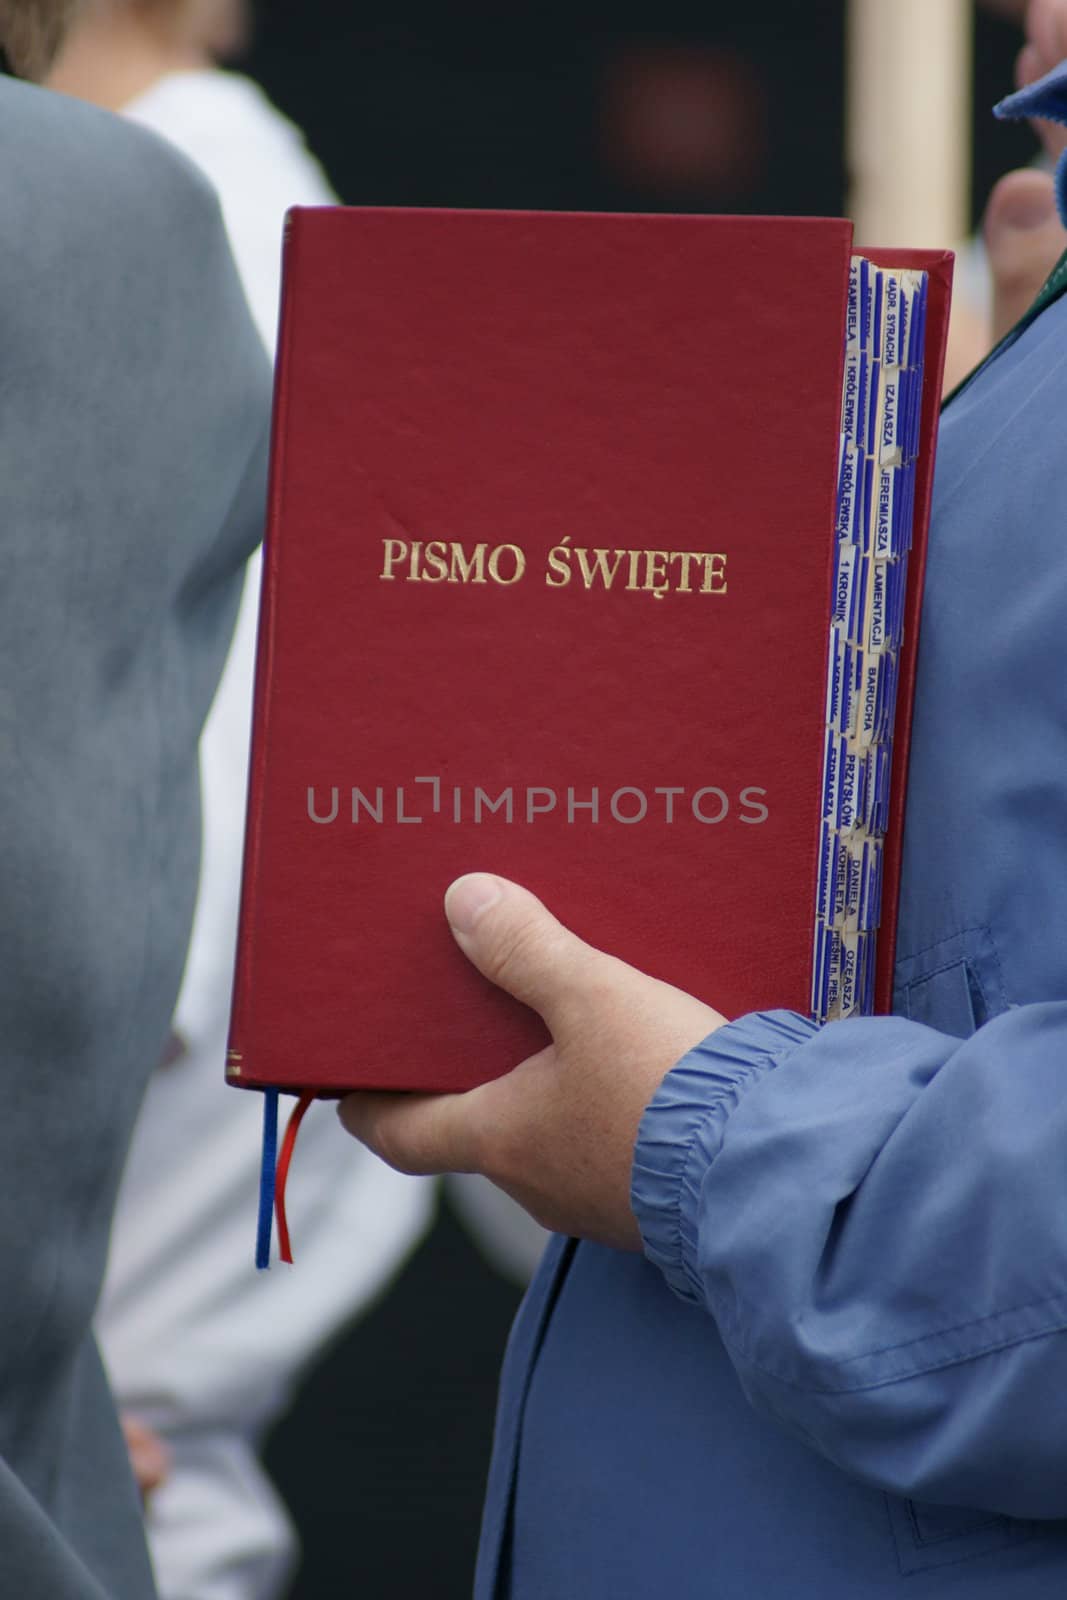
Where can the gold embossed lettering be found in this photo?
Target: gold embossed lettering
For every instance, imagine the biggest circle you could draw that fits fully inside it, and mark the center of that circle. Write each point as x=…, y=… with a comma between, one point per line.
x=517, y=557
x=435, y=564
x=600, y=567
x=714, y=574
x=394, y=550
x=656, y=579
x=559, y=565
x=467, y=570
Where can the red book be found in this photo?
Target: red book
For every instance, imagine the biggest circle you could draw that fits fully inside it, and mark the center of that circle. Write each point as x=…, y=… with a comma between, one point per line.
x=548, y=585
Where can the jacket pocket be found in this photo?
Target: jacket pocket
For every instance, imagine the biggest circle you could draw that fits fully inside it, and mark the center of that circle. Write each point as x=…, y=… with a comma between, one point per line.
x=954, y=985
x=930, y=1536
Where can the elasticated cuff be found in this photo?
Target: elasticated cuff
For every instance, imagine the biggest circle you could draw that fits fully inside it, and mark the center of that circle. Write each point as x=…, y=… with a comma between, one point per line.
x=681, y=1133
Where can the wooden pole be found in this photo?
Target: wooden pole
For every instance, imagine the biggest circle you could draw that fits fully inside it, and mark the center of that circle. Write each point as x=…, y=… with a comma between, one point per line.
x=909, y=135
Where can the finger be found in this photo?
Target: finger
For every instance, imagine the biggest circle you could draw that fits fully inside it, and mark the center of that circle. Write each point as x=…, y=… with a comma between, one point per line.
x=149, y=1457
x=1045, y=48
x=1046, y=32
x=1024, y=239
x=1028, y=66
x=417, y=1133
x=517, y=943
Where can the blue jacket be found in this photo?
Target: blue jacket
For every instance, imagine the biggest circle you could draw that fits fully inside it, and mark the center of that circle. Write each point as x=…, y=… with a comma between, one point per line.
x=841, y=1368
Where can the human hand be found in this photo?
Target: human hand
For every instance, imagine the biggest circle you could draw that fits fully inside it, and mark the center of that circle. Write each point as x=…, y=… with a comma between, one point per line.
x=1045, y=26
x=148, y=1454
x=1023, y=233
x=558, y=1131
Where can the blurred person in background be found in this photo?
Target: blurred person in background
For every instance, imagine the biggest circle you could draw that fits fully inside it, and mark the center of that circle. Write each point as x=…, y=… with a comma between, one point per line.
x=133, y=429
x=683, y=126
x=1023, y=233
x=1021, y=237
x=203, y=1351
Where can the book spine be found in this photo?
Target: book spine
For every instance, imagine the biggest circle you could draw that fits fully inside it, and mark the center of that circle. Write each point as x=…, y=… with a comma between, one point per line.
x=236, y=1064
x=880, y=436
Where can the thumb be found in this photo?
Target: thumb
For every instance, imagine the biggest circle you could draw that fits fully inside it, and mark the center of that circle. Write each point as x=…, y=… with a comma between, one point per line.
x=509, y=936
x=1024, y=238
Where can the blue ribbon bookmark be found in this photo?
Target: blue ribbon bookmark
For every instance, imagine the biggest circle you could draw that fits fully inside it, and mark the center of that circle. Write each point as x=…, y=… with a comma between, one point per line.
x=266, y=1178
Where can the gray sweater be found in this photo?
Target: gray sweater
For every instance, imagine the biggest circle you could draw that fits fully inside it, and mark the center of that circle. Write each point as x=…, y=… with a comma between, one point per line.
x=133, y=414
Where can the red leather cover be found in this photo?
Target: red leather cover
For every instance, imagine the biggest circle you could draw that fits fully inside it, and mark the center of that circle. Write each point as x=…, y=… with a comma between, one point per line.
x=660, y=385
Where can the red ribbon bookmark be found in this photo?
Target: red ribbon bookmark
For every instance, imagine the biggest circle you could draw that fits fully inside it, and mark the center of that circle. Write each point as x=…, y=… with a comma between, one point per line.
x=285, y=1156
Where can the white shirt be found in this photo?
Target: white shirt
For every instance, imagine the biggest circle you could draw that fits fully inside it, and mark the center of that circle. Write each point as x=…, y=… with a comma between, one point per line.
x=199, y=1344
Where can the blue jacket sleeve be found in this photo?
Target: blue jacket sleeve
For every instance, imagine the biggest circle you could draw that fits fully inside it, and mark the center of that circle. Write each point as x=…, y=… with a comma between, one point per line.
x=875, y=1215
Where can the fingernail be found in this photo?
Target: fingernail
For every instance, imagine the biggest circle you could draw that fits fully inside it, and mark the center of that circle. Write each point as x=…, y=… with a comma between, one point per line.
x=468, y=898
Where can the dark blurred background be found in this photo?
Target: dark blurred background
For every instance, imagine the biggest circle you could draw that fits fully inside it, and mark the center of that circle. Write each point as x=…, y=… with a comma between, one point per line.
x=711, y=106
x=683, y=107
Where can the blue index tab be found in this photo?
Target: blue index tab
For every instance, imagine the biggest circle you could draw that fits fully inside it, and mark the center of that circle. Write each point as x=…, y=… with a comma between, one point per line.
x=886, y=512
x=870, y=966
x=853, y=337
x=909, y=290
x=876, y=890
x=912, y=413
x=890, y=452
x=881, y=798
x=869, y=894
x=850, y=763
x=907, y=517
x=850, y=705
x=892, y=349
x=917, y=328
x=903, y=508
x=838, y=687
x=870, y=796
x=915, y=410
x=891, y=677
x=831, y=778
x=876, y=312
x=917, y=331
x=866, y=307
x=860, y=580
x=839, y=896
x=874, y=791
x=861, y=797
x=835, y=679
x=824, y=893
x=827, y=980
x=819, y=973
x=851, y=395
x=879, y=614
x=844, y=574
x=898, y=593
x=868, y=727
x=868, y=398
x=865, y=974
x=849, y=490
x=893, y=571
x=872, y=416
x=863, y=987
x=868, y=510
x=855, y=857
x=849, y=968
x=825, y=962
x=832, y=977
